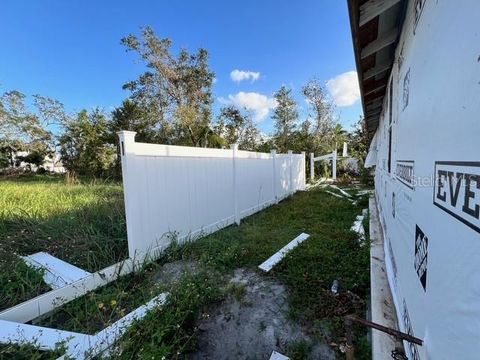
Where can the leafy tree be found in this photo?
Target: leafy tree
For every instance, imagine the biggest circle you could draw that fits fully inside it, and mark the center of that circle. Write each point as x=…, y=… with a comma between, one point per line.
x=285, y=117
x=35, y=157
x=360, y=140
x=265, y=144
x=302, y=138
x=129, y=116
x=50, y=111
x=321, y=115
x=338, y=137
x=174, y=94
x=21, y=129
x=235, y=127
x=84, y=147
x=4, y=160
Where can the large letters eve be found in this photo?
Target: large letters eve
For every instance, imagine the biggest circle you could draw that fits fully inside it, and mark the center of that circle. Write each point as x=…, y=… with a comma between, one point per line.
x=457, y=191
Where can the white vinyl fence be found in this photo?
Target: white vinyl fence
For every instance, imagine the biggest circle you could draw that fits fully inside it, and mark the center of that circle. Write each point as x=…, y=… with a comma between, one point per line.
x=189, y=191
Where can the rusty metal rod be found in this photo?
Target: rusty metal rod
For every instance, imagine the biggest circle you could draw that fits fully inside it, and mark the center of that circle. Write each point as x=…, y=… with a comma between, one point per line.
x=398, y=334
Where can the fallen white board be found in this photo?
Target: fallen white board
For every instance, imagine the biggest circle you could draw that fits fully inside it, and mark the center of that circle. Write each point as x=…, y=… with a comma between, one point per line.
x=337, y=195
x=364, y=192
x=279, y=255
x=77, y=345
x=57, y=273
x=358, y=225
x=277, y=356
x=341, y=190
x=49, y=301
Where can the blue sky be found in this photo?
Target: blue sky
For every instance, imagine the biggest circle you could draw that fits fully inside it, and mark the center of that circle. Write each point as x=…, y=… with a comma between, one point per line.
x=70, y=50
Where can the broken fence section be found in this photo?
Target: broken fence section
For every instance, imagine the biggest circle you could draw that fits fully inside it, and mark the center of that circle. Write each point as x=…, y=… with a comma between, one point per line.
x=77, y=345
x=56, y=272
x=277, y=356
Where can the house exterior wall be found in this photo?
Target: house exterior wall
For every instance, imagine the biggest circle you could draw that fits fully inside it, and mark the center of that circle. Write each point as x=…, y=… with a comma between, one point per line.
x=52, y=163
x=428, y=188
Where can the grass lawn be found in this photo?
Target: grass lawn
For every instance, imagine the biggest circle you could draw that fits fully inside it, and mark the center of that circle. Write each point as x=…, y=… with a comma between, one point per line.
x=89, y=218
x=82, y=224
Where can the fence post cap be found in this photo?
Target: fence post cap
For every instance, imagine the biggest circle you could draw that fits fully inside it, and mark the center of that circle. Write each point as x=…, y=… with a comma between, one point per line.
x=234, y=146
x=127, y=135
x=290, y=151
x=273, y=151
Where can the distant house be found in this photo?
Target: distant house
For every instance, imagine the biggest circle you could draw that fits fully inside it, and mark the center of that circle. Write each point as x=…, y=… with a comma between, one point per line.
x=418, y=64
x=52, y=163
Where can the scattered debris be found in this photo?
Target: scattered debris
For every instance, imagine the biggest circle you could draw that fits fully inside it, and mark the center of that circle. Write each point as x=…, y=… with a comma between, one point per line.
x=341, y=190
x=321, y=183
x=364, y=192
x=358, y=225
x=279, y=255
x=341, y=197
x=337, y=195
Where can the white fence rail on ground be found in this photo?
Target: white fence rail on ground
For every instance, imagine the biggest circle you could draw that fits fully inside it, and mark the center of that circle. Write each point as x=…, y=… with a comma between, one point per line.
x=190, y=191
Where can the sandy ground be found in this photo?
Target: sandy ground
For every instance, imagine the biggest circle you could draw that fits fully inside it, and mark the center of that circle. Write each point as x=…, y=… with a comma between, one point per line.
x=250, y=323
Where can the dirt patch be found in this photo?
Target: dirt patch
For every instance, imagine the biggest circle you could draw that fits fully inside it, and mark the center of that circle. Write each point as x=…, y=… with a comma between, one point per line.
x=171, y=273
x=252, y=322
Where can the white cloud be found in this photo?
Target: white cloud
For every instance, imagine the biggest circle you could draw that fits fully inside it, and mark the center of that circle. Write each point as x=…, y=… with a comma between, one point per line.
x=258, y=103
x=344, y=89
x=240, y=75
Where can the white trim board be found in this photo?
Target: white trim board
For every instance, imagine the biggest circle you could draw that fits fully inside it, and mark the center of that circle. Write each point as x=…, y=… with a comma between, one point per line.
x=340, y=196
x=358, y=225
x=78, y=345
x=365, y=192
x=341, y=190
x=277, y=356
x=42, y=304
x=279, y=255
x=337, y=195
x=57, y=273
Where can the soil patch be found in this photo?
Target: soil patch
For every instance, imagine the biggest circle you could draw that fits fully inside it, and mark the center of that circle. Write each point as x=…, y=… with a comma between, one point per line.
x=252, y=322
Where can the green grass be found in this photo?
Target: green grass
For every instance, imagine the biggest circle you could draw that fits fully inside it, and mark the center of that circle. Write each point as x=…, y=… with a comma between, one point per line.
x=69, y=221
x=18, y=282
x=331, y=253
x=82, y=224
x=10, y=352
x=170, y=332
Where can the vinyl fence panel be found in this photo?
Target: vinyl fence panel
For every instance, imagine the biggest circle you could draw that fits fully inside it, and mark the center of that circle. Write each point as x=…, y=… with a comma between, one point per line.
x=184, y=192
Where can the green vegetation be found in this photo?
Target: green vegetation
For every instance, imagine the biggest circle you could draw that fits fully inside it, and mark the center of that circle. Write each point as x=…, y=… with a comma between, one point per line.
x=170, y=332
x=83, y=224
x=69, y=221
x=18, y=281
x=331, y=253
x=299, y=350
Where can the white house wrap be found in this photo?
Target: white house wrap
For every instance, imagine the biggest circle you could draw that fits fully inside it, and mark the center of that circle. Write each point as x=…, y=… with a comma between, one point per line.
x=189, y=191
x=427, y=178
